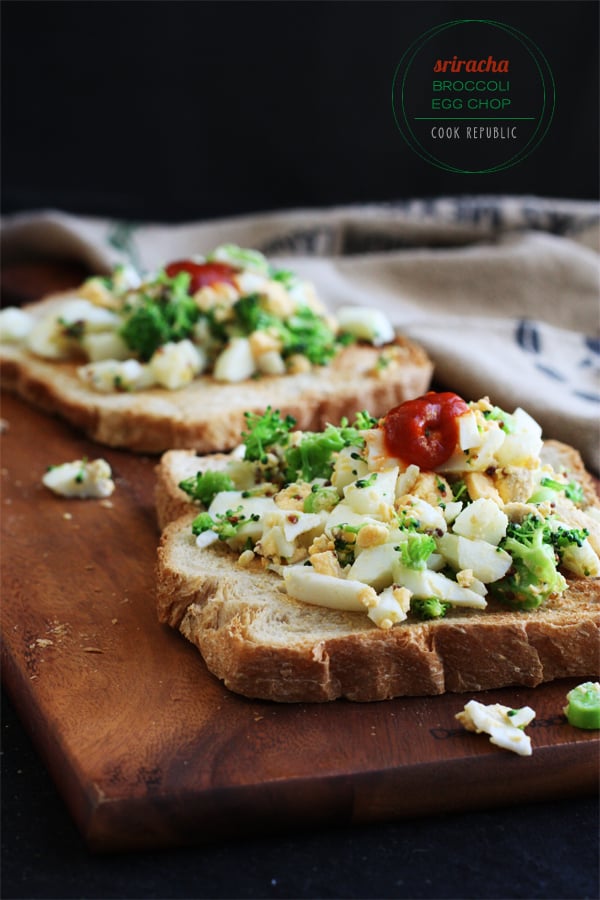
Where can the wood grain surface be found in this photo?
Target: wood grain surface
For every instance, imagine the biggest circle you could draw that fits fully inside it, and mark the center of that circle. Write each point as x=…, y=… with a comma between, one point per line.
x=146, y=747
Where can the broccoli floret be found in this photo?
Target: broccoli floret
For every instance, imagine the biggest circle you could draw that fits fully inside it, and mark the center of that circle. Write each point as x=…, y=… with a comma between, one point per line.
x=243, y=257
x=459, y=490
x=168, y=316
x=285, y=276
x=364, y=421
x=225, y=525
x=533, y=575
x=428, y=607
x=308, y=333
x=314, y=456
x=265, y=431
x=344, y=543
x=251, y=316
x=549, y=486
x=320, y=498
x=203, y=522
x=562, y=538
x=416, y=550
x=504, y=419
x=204, y=486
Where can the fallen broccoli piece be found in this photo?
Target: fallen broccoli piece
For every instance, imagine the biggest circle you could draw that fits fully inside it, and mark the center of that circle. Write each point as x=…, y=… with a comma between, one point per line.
x=168, y=316
x=533, y=575
x=204, y=486
x=416, y=550
x=428, y=607
x=265, y=431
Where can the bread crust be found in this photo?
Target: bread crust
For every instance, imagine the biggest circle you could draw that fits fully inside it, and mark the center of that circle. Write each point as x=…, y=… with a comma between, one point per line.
x=208, y=415
x=264, y=644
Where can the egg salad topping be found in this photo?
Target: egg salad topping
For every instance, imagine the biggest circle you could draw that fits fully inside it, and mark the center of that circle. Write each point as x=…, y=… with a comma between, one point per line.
x=349, y=526
x=230, y=314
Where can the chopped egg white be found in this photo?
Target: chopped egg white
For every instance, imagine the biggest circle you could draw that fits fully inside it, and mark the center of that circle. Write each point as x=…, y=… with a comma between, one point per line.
x=482, y=520
x=15, y=324
x=109, y=375
x=367, y=323
x=503, y=724
x=235, y=362
x=325, y=590
x=176, y=364
x=81, y=478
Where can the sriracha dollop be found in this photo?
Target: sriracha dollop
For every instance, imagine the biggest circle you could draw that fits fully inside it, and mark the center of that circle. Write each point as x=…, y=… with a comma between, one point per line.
x=424, y=431
x=202, y=274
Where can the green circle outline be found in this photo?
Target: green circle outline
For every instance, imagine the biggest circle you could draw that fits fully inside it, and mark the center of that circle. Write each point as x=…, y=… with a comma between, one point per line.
x=524, y=152
x=513, y=159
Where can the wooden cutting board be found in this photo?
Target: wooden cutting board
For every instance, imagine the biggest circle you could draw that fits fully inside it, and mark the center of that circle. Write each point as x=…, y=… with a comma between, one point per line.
x=148, y=749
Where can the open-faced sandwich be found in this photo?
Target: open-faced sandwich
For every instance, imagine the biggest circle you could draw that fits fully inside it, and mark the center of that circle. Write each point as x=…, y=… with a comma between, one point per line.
x=443, y=547
x=174, y=359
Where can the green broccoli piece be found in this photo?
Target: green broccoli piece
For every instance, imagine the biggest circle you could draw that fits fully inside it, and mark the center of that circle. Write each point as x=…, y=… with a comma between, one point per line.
x=203, y=522
x=344, y=543
x=242, y=257
x=428, y=607
x=265, y=431
x=364, y=421
x=250, y=315
x=226, y=525
x=320, y=498
x=533, y=576
x=314, y=456
x=204, y=486
x=168, y=316
x=550, y=486
x=563, y=538
x=459, y=490
x=416, y=550
x=308, y=333
x=285, y=276
x=504, y=419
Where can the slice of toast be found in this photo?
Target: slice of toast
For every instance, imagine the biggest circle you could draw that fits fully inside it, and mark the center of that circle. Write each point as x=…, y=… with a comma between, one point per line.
x=208, y=415
x=263, y=643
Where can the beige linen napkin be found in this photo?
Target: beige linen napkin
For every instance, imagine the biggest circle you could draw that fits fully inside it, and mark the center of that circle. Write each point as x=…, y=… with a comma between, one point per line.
x=502, y=292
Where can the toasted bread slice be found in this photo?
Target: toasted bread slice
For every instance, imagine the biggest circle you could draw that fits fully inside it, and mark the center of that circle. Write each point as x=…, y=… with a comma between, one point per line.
x=263, y=643
x=208, y=415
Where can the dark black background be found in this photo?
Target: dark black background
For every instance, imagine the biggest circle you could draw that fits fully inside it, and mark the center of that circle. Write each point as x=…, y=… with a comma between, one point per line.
x=189, y=110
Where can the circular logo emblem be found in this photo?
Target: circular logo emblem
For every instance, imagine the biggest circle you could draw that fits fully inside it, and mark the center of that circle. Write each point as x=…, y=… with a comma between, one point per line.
x=473, y=96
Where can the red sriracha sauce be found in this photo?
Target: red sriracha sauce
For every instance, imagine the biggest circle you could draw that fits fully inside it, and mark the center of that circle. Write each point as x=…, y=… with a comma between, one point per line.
x=424, y=431
x=202, y=274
